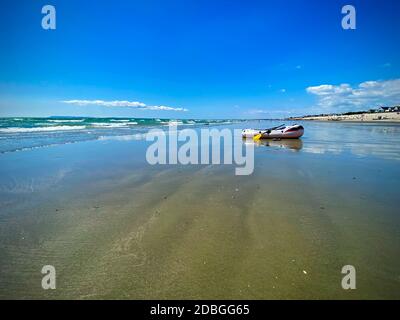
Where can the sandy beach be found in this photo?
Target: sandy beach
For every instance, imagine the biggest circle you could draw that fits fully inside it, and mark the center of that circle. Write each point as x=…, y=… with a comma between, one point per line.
x=365, y=117
x=115, y=227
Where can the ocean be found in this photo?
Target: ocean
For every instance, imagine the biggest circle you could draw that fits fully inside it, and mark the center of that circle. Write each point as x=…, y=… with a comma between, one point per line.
x=24, y=133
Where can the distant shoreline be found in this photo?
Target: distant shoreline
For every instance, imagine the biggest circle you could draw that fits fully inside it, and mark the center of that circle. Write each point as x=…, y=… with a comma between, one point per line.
x=362, y=117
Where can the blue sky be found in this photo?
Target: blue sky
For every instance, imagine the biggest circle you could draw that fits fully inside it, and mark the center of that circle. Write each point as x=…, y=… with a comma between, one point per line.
x=197, y=59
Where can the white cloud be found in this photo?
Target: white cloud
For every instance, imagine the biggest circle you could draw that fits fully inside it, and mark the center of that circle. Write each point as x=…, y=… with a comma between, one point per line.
x=283, y=90
x=122, y=103
x=257, y=111
x=367, y=94
x=269, y=112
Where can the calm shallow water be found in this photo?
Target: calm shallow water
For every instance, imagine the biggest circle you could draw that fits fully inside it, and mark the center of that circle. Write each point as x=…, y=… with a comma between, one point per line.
x=116, y=227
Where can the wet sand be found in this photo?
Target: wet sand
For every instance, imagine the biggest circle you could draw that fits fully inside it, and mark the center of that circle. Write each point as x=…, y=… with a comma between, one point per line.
x=115, y=227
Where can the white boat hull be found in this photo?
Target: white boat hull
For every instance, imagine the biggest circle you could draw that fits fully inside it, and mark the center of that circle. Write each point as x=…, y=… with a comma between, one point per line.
x=288, y=132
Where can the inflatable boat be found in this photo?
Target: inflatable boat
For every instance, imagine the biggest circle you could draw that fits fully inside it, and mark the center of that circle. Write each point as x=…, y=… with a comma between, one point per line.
x=281, y=132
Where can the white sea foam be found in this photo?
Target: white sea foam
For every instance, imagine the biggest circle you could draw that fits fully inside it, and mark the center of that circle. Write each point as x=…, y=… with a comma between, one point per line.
x=41, y=129
x=138, y=136
x=108, y=125
x=61, y=121
x=113, y=125
x=172, y=123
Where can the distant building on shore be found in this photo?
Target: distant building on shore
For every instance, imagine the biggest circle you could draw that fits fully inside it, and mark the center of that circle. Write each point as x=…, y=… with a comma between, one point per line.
x=379, y=109
x=391, y=109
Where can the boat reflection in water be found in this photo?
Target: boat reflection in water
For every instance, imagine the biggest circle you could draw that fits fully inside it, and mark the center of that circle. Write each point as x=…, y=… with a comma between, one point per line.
x=293, y=144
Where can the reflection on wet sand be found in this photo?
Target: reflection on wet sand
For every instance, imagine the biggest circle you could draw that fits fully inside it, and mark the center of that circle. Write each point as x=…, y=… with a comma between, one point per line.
x=293, y=144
